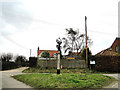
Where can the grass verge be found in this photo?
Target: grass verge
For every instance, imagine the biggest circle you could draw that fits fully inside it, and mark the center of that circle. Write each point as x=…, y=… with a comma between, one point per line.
x=42, y=70
x=64, y=80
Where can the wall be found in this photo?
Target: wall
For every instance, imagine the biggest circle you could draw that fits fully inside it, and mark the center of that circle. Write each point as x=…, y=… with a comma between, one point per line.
x=64, y=62
x=107, y=63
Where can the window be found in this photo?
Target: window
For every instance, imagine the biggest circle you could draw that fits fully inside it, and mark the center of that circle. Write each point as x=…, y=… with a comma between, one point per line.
x=54, y=55
x=117, y=48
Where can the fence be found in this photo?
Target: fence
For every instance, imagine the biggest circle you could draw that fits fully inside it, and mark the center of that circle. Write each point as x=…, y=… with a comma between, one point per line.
x=66, y=63
x=107, y=63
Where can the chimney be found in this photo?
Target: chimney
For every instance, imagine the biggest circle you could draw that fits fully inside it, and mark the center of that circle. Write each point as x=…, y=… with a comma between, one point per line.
x=38, y=51
x=38, y=48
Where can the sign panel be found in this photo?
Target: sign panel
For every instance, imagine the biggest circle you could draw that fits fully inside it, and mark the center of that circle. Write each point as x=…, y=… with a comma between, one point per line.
x=92, y=62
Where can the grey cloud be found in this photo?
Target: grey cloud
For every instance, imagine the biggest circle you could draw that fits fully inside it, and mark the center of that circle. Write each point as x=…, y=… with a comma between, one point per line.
x=15, y=14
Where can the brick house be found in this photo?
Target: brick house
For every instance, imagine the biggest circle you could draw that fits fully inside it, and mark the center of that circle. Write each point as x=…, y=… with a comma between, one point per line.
x=107, y=52
x=116, y=45
x=109, y=59
x=52, y=53
x=113, y=50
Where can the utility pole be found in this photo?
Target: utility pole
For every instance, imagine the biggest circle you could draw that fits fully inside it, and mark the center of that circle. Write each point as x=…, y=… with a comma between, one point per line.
x=86, y=42
x=30, y=52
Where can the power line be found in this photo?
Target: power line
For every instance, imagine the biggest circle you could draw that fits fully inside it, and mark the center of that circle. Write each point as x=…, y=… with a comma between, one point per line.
x=12, y=41
x=102, y=32
x=98, y=32
x=61, y=25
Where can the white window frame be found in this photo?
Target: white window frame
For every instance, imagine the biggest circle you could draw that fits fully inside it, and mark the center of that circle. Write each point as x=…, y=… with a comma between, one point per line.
x=117, y=48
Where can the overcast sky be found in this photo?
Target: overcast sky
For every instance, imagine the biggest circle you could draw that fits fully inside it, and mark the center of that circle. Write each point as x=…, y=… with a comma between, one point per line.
x=27, y=24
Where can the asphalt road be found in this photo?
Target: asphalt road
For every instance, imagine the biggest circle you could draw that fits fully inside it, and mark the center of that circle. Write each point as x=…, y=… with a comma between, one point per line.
x=115, y=84
x=9, y=82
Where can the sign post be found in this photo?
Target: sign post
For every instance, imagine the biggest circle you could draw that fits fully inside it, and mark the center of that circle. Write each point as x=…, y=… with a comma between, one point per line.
x=92, y=63
x=59, y=42
x=58, y=63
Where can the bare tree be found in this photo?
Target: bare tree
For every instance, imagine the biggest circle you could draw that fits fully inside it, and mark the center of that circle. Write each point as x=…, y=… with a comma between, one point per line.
x=6, y=57
x=74, y=41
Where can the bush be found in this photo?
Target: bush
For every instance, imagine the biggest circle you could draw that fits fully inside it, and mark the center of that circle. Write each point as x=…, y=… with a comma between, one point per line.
x=45, y=54
x=9, y=65
x=83, y=54
x=21, y=61
x=32, y=61
x=107, y=63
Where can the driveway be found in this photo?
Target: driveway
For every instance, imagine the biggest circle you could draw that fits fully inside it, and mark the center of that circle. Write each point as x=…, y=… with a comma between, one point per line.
x=9, y=82
x=115, y=84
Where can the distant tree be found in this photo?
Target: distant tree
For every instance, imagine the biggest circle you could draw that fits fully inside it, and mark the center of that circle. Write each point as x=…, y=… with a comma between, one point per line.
x=6, y=61
x=74, y=41
x=6, y=57
x=83, y=54
x=45, y=54
x=21, y=60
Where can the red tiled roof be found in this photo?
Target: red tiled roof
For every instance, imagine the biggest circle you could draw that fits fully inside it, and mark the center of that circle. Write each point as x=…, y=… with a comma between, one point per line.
x=74, y=53
x=108, y=52
x=51, y=52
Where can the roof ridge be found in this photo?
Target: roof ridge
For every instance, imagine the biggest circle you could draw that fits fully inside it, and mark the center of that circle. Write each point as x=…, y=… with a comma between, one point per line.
x=48, y=50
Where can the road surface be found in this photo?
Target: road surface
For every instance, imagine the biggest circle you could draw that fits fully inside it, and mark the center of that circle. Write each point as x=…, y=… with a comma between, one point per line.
x=9, y=82
x=115, y=84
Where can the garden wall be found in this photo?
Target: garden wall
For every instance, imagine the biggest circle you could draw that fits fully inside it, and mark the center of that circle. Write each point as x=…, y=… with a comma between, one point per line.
x=66, y=63
x=107, y=63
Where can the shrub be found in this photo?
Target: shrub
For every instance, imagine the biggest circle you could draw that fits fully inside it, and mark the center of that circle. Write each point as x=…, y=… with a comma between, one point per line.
x=45, y=54
x=32, y=61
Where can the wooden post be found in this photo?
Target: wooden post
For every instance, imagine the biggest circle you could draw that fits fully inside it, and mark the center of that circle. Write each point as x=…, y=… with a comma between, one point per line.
x=58, y=63
x=86, y=41
x=30, y=52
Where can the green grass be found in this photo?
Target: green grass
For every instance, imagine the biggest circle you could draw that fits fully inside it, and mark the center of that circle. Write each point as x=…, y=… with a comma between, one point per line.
x=64, y=80
x=42, y=70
